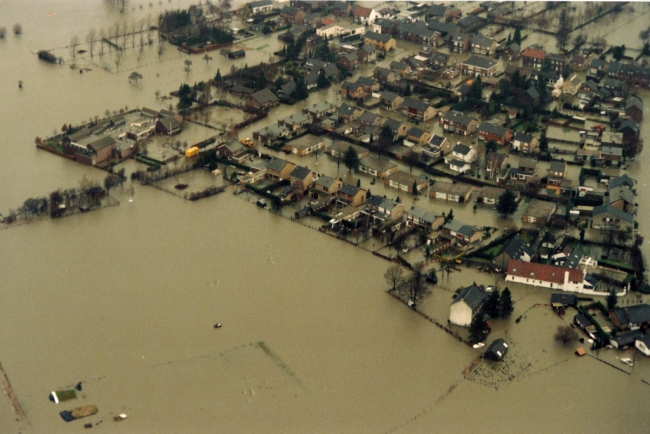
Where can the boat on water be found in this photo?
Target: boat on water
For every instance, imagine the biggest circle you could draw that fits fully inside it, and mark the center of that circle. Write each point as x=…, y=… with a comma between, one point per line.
x=78, y=413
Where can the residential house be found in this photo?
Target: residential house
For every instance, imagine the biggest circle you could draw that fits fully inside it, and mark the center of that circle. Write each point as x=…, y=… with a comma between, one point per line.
x=417, y=109
x=529, y=97
x=417, y=32
x=369, y=84
x=550, y=78
x=643, y=344
x=524, y=143
x=379, y=168
x=513, y=249
x=405, y=181
x=271, y=133
x=512, y=52
x=327, y=185
x=301, y=178
x=464, y=153
x=614, y=86
x=490, y=195
x=320, y=109
x=417, y=136
x=260, y=7
x=385, y=75
x=458, y=192
x=233, y=150
x=546, y=276
x=442, y=60
x=370, y=118
x=420, y=218
x=382, y=42
x=572, y=85
x=383, y=209
x=390, y=101
x=477, y=65
x=560, y=301
x=461, y=233
x=488, y=131
x=597, y=67
x=339, y=147
x=400, y=68
x=608, y=217
x=494, y=163
x=304, y=145
x=538, y=211
x=579, y=63
x=636, y=317
x=468, y=23
x=365, y=15
x=555, y=176
x=341, y=9
x=296, y=121
x=340, y=29
x=511, y=69
x=398, y=128
x=348, y=60
x=558, y=62
x=526, y=170
x=624, y=340
x=347, y=113
x=454, y=121
x=630, y=129
x=634, y=108
x=277, y=169
x=634, y=75
x=167, y=126
x=351, y=195
x=367, y=54
x=622, y=198
x=438, y=12
x=460, y=43
x=533, y=57
x=263, y=99
x=467, y=304
x=482, y=45
x=352, y=90
x=436, y=144
x=292, y=15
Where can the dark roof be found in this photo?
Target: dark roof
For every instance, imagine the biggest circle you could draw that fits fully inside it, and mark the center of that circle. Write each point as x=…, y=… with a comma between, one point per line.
x=496, y=350
x=634, y=101
x=481, y=41
x=401, y=66
x=263, y=96
x=461, y=149
x=468, y=20
x=393, y=124
x=631, y=124
x=300, y=172
x=515, y=248
x=473, y=296
x=102, y=143
x=381, y=37
x=350, y=190
x=436, y=140
x=514, y=47
x=276, y=164
x=458, y=118
x=613, y=211
x=415, y=104
x=290, y=10
x=526, y=162
x=573, y=259
x=523, y=137
x=288, y=88
x=497, y=130
x=346, y=110
x=565, y=299
x=389, y=96
x=259, y=3
x=558, y=166
x=442, y=28
x=366, y=81
x=367, y=117
x=621, y=180
x=633, y=314
x=628, y=338
x=415, y=132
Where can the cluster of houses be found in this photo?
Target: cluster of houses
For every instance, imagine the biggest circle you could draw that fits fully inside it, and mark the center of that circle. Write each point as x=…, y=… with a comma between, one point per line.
x=118, y=136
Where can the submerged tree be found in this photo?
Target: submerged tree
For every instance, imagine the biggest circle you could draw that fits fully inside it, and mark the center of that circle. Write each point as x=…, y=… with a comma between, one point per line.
x=612, y=299
x=507, y=204
x=351, y=158
x=135, y=76
x=493, y=304
x=414, y=288
x=565, y=334
x=478, y=327
x=394, y=275
x=505, y=304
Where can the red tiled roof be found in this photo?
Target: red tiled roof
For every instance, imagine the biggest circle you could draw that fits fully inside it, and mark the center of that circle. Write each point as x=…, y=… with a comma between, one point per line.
x=328, y=21
x=531, y=52
x=360, y=11
x=546, y=273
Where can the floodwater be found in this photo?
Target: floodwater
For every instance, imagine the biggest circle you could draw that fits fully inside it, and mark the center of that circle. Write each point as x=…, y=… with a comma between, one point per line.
x=124, y=299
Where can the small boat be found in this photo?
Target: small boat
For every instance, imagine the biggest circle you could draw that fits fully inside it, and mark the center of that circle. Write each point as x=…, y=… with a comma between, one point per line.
x=78, y=413
x=217, y=326
x=261, y=203
x=479, y=345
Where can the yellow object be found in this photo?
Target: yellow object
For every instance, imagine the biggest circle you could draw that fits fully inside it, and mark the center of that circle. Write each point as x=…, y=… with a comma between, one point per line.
x=246, y=142
x=191, y=152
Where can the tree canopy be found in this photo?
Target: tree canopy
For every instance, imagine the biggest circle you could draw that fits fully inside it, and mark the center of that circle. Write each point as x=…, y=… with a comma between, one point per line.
x=507, y=204
x=351, y=158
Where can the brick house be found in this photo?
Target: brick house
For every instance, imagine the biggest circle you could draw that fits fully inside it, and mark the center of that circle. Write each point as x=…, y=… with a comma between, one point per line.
x=488, y=131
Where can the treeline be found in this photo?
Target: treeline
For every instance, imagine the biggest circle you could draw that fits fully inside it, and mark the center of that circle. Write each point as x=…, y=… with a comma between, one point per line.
x=174, y=20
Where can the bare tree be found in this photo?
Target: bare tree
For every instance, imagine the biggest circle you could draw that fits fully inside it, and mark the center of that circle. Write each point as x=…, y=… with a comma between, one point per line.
x=91, y=37
x=74, y=42
x=135, y=76
x=188, y=65
x=3, y=32
x=565, y=334
x=207, y=58
x=394, y=275
x=18, y=29
x=141, y=25
x=414, y=288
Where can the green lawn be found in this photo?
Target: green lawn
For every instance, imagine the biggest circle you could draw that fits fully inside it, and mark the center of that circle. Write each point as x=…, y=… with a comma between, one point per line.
x=493, y=251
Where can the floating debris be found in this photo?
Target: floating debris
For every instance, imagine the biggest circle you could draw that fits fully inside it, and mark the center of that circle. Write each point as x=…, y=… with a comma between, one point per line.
x=78, y=413
x=217, y=326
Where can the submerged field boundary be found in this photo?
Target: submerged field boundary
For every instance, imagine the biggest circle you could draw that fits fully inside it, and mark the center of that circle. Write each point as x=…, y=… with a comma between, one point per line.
x=6, y=387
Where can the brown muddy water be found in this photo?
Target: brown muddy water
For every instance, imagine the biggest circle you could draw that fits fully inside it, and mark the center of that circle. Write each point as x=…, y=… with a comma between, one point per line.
x=124, y=299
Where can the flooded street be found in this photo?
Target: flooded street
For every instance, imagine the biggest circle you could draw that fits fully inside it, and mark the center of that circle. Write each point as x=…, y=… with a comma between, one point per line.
x=125, y=299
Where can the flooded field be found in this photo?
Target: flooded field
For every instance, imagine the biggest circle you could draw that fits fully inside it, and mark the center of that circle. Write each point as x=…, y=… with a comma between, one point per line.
x=125, y=299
